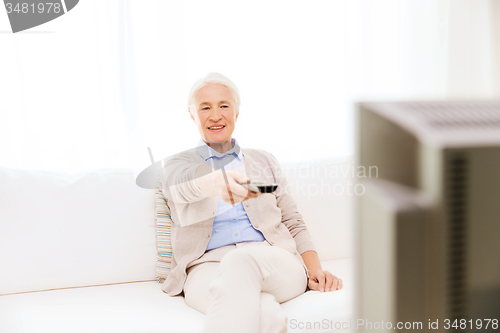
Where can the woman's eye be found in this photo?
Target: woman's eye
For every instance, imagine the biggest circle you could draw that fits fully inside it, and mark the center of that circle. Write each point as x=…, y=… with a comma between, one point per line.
x=224, y=106
x=206, y=108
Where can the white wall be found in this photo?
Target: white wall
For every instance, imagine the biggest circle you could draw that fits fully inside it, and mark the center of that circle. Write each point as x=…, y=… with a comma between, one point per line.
x=97, y=86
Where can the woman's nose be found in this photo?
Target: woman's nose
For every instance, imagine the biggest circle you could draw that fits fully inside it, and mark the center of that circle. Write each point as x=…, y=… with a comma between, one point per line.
x=215, y=114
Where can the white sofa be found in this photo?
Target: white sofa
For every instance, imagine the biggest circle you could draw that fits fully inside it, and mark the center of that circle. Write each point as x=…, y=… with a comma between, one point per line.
x=78, y=253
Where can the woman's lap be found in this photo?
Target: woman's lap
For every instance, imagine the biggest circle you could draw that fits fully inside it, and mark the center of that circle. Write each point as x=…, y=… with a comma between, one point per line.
x=280, y=272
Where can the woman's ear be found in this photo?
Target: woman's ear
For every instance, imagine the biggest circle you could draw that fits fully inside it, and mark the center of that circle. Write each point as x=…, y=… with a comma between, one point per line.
x=191, y=114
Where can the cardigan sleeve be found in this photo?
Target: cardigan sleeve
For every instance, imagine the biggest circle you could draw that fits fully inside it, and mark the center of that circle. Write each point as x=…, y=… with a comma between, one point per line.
x=290, y=215
x=179, y=176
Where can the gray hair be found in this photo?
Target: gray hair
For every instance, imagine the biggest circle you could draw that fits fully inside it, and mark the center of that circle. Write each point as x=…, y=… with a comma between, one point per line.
x=215, y=78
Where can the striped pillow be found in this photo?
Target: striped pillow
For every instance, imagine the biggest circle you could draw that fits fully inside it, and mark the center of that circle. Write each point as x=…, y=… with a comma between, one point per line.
x=163, y=242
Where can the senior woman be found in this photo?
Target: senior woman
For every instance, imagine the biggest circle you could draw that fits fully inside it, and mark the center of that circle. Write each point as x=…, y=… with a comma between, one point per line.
x=237, y=254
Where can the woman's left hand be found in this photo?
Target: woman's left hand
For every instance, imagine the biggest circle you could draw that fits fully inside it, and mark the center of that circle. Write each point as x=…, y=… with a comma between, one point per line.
x=324, y=281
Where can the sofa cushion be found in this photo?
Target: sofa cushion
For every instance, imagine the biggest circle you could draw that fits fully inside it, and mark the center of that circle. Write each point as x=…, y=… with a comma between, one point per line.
x=143, y=308
x=324, y=192
x=66, y=230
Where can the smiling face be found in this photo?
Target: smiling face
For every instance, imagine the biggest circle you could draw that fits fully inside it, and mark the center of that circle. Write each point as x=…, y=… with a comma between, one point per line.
x=214, y=113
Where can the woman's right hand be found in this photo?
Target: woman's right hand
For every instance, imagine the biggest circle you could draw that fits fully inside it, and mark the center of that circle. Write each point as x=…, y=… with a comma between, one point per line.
x=229, y=189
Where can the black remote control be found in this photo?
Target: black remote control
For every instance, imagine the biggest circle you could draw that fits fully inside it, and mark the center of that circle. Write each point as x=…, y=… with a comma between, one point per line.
x=260, y=187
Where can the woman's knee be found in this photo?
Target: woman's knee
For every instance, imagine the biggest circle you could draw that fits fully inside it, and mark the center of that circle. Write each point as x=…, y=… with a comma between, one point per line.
x=216, y=286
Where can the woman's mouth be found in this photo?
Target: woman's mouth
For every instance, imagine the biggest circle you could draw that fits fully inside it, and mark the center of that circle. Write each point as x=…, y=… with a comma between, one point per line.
x=216, y=128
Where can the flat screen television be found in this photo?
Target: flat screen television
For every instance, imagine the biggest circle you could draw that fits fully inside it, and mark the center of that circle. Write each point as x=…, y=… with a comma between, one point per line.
x=428, y=221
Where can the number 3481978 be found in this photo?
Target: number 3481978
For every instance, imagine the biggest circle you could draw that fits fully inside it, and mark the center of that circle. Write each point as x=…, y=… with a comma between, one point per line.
x=24, y=8
x=477, y=324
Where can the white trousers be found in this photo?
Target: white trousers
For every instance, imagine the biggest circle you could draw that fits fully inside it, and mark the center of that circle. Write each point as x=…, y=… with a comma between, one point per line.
x=239, y=287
